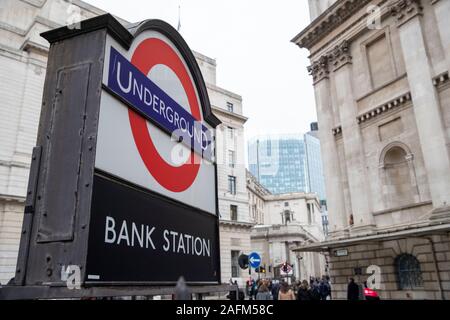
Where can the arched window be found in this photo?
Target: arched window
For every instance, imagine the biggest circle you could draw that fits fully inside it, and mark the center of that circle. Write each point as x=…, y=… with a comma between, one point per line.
x=408, y=271
x=398, y=176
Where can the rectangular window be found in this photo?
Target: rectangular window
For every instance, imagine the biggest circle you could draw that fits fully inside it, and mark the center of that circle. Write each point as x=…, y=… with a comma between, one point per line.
x=235, y=263
x=308, y=205
x=231, y=158
x=231, y=132
x=379, y=58
x=232, y=184
x=233, y=212
x=230, y=107
x=269, y=148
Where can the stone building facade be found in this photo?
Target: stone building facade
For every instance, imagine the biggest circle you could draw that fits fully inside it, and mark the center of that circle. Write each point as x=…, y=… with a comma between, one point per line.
x=284, y=222
x=380, y=70
x=235, y=221
x=23, y=61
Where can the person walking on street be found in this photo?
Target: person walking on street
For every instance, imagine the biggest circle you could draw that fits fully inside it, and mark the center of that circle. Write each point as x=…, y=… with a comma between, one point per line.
x=303, y=293
x=275, y=290
x=263, y=293
x=324, y=288
x=285, y=292
x=315, y=290
x=352, y=290
x=255, y=289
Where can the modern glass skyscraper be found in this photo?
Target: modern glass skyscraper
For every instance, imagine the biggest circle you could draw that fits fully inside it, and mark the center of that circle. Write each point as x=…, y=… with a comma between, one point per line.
x=287, y=163
x=316, y=182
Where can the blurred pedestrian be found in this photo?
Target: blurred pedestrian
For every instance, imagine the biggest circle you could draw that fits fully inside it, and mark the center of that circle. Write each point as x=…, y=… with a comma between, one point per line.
x=263, y=293
x=303, y=292
x=324, y=288
x=352, y=290
x=285, y=292
x=275, y=290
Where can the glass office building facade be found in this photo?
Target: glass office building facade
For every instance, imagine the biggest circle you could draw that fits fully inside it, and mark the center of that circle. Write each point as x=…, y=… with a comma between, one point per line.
x=287, y=163
x=316, y=181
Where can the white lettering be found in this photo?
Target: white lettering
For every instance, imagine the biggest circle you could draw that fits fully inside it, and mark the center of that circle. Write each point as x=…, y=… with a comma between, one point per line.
x=174, y=234
x=147, y=97
x=136, y=88
x=109, y=228
x=127, y=90
x=198, y=252
x=181, y=245
x=149, y=237
x=155, y=103
x=176, y=119
x=123, y=235
x=162, y=107
x=166, y=247
x=169, y=114
x=135, y=232
x=206, y=248
x=188, y=237
x=181, y=124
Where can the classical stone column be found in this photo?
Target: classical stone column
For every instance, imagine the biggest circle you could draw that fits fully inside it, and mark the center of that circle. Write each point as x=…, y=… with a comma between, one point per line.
x=333, y=180
x=442, y=12
x=427, y=111
x=341, y=64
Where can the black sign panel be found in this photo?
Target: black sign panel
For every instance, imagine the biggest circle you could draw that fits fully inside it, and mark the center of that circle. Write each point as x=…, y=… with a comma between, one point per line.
x=139, y=236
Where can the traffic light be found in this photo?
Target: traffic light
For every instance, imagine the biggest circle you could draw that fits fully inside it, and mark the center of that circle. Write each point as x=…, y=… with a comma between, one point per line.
x=243, y=261
x=260, y=270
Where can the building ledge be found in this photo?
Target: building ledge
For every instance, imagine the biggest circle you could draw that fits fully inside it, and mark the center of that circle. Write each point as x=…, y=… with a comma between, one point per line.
x=30, y=46
x=241, y=224
x=224, y=91
x=282, y=231
x=416, y=231
x=12, y=198
x=410, y=206
x=236, y=116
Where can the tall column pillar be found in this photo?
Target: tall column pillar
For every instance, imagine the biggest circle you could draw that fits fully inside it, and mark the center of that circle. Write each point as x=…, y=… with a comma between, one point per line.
x=442, y=12
x=333, y=180
x=427, y=111
x=341, y=63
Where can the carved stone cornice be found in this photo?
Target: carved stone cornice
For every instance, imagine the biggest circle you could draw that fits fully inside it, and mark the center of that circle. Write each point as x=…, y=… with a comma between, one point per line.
x=319, y=70
x=336, y=131
x=405, y=10
x=340, y=55
x=441, y=79
x=328, y=21
x=388, y=106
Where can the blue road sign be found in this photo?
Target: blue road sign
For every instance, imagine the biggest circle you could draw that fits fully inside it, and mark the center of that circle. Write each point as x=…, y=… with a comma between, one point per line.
x=254, y=259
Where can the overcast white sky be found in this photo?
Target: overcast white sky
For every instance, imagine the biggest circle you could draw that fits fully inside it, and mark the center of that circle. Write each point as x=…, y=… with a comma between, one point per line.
x=250, y=39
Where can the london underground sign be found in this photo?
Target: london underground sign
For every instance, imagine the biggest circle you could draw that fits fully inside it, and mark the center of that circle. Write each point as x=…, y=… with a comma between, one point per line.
x=152, y=133
x=123, y=185
x=129, y=80
x=163, y=107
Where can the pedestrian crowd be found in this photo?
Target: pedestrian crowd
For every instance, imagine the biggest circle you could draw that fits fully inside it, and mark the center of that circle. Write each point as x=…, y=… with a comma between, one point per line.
x=315, y=289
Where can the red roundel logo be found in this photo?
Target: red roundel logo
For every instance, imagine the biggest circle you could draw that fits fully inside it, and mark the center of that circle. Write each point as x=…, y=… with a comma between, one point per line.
x=148, y=54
